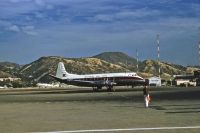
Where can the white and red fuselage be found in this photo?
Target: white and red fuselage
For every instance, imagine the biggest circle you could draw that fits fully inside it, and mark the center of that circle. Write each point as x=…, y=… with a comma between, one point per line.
x=98, y=80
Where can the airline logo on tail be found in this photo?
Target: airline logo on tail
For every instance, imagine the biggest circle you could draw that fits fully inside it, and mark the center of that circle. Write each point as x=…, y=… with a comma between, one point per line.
x=61, y=72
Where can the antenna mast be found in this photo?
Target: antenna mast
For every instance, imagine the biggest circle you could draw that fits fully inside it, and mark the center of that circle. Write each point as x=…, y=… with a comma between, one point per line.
x=137, y=60
x=158, y=50
x=199, y=53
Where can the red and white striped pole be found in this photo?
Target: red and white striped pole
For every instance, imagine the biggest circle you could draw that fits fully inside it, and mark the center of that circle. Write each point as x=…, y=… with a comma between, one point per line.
x=199, y=53
x=137, y=60
x=158, y=50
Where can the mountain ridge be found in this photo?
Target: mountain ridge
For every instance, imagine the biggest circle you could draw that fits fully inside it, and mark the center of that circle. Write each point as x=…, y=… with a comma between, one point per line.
x=101, y=63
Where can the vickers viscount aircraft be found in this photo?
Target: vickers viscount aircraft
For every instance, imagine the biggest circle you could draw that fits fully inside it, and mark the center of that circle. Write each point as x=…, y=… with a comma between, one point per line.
x=97, y=81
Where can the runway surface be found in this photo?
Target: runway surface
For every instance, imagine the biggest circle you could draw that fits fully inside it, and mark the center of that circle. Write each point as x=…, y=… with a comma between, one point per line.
x=69, y=109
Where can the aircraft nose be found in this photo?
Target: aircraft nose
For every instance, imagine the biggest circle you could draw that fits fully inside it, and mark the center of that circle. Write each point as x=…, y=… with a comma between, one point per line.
x=141, y=78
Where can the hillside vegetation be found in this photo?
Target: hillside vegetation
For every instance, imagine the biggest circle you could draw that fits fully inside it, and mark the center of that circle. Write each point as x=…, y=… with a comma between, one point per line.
x=38, y=69
x=8, y=69
x=103, y=63
x=119, y=58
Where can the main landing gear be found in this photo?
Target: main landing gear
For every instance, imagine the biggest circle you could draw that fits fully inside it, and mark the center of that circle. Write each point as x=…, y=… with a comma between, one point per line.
x=110, y=88
x=97, y=88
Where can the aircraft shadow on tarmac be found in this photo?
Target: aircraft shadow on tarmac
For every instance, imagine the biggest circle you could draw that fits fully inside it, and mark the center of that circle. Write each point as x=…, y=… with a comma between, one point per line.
x=183, y=109
x=179, y=96
x=179, y=112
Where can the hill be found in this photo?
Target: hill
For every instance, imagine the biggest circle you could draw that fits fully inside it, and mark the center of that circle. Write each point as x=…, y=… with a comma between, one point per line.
x=150, y=68
x=119, y=58
x=8, y=69
x=147, y=68
x=102, y=63
x=4, y=74
x=38, y=69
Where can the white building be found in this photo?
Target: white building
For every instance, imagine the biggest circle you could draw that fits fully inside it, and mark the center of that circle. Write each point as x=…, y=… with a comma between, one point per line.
x=185, y=80
x=155, y=81
x=45, y=85
x=10, y=79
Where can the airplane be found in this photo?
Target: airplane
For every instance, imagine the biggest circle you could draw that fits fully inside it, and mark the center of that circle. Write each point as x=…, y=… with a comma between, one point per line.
x=97, y=81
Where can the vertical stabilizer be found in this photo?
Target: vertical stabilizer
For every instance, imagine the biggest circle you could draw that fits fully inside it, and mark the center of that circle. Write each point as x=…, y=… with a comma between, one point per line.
x=61, y=72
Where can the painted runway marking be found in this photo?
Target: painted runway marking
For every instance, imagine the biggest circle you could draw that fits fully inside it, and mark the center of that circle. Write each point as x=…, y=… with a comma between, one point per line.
x=126, y=129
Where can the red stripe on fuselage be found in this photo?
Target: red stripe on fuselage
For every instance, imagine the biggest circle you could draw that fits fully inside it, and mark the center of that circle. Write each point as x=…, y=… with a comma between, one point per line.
x=109, y=78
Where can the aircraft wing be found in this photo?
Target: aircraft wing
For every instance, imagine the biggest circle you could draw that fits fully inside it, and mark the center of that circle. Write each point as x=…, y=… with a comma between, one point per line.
x=92, y=83
x=56, y=78
x=83, y=83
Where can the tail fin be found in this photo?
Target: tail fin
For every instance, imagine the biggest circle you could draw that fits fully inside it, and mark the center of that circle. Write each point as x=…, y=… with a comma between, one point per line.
x=61, y=72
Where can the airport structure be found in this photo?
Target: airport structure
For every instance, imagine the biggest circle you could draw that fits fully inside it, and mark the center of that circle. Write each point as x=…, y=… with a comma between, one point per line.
x=187, y=80
x=154, y=81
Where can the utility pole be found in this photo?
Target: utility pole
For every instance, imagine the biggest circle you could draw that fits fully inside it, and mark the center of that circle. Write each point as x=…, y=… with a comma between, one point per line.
x=158, y=50
x=137, y=60
x=199, y=53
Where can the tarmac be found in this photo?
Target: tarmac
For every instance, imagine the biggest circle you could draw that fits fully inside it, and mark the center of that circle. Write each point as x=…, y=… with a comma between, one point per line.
x=172, y=109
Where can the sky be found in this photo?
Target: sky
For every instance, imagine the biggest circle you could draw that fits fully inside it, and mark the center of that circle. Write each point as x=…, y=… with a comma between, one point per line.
x=30, y=29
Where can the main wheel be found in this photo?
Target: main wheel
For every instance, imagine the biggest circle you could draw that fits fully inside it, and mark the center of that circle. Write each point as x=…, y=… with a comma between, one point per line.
x=110, y=88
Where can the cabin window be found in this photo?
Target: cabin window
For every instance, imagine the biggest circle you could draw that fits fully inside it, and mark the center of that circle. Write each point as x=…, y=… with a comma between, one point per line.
x=134, y=74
